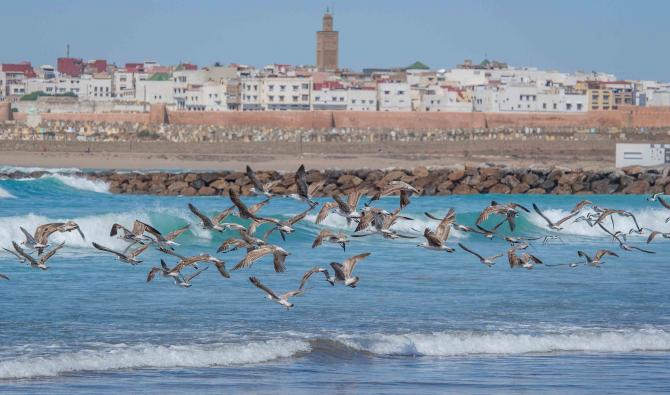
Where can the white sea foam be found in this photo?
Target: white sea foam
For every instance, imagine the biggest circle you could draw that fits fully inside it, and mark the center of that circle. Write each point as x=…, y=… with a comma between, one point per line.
x=151, y=356
x=81, y=183
x=13, y=169
x=5, y=195
x=466, y=343
x=649, y=218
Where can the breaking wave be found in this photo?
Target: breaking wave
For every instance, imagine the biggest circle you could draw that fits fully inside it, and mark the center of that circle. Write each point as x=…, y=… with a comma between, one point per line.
x=466, y=343
x=151, y=356
x=81, y=183
x=15, y=169
x=442, y=344
x=5, y=195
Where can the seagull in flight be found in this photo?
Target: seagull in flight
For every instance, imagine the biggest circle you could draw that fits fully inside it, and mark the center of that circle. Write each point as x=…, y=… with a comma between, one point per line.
x=281, y=299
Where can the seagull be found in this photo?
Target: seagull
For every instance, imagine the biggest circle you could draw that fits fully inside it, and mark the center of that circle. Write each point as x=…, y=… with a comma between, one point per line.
x=4, y=277
x=652, y=235
x=247, y=241
x=213, y=223
x=346, y=209
x=136, y=235
x=436, y=240
x=393, y=187
x=382, y=225
x=654, y=196
x=488, y=261
x=185, y=262
x=164, y=270
x=584, y=203
x=597, y=258
x=259, y=188
x=185, y=282
x=551, y=237
x=30, y=241
x=40, y=263
x=554, y=225
x=520, y=240
x=624, y=246
x=127, y=257
x=305, y=193
x=43, y=232
x=16, y=254
x=310, y=272
x=252, y=256
x=509, y=210
x=245, y=212
x=326, y=235
x=610, y=212
x=526, y=260
x=282, y=299
x=344, y=270
x=664, y=204
x=286, y=226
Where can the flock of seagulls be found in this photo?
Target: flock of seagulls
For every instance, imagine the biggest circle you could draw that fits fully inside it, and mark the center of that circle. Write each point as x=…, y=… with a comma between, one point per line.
x=36, y=250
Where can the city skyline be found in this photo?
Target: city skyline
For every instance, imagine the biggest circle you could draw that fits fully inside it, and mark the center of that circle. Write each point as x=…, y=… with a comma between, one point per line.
x=593, y=36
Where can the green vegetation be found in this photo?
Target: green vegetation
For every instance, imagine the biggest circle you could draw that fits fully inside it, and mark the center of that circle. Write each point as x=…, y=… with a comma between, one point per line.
x=33, y=96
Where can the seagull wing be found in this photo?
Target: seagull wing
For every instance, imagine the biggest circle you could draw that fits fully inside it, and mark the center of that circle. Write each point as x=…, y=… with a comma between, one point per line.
x=252, y=256
x=299, y=217
x=339, y=270
x=470, y=251
x=602, y=253
x=107, y=249
x=308, y=274
x=279, y=261
x=315, y=187
x=569, y=217
x=20, y=251
x=254, y=180
x=176, y=233
x=350, y=264
x=255, y=281
x=196, y=274
x=301, y=182
x=537, y=210
x=664, y=203
x=51, y=253
x=205, y=219
x=219, y=217
x=325, y=211
x=319, y=238
x=253, y=209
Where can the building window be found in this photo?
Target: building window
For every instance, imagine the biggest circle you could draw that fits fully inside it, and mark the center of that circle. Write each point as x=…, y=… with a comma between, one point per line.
x=295, y=87
x=579, y=106
x=305, y=86
x=555, y=106
x=305, y=97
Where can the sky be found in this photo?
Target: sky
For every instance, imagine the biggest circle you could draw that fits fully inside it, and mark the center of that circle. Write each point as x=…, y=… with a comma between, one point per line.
x=627, y=38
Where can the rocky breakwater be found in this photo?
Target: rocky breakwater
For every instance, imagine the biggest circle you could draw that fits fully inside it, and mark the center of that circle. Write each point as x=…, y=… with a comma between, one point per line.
x=457, y=180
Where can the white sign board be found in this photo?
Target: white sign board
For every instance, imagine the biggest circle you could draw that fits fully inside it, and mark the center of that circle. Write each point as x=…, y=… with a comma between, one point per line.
x=642, y=155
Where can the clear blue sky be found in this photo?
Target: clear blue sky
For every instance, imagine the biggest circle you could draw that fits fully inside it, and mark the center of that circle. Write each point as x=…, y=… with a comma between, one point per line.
x=628, y=38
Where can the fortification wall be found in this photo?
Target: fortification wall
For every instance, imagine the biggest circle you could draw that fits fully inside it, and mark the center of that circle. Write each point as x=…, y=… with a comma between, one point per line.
x=629, y=117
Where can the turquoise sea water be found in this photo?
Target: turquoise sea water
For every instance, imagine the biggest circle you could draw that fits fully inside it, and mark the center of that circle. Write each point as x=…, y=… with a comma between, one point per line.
x=420, y=321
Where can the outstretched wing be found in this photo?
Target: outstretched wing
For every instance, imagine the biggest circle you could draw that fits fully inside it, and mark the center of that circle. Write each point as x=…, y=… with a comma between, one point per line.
x=205, y=219
x=325, y=210
x=301, y=181
x=537, y=210
x=664, y=203
x=339, y=270
x=254, y=180
x=299, y=217
x=20, y=251
x=219, y=217
x=319, y=238
x=470, y=251
x=255, y=281
x=107, y=249
x=569, y=217
x=176, y=233
x=350, y=264
x=252, y=256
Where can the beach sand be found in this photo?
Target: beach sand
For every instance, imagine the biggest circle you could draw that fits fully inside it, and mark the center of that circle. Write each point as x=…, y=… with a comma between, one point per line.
x=287, y=156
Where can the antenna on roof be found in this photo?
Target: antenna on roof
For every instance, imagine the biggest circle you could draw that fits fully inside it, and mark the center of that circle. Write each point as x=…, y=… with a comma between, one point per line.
x=67, y=50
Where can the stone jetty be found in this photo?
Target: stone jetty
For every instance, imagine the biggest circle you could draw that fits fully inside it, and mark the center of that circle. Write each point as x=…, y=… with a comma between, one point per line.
x=455, y=180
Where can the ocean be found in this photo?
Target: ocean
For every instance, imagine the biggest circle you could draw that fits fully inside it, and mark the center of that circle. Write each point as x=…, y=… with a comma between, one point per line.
x=418, y=322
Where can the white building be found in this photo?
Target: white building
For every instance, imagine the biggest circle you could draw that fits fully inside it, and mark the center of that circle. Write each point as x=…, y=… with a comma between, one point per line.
x=329, y=96
x=394, y=96
x=443, y=99
x=286, y=93
x=96, y=88
x=527, y=98
x=250, y=93
x=155, y=92
x=361, y=99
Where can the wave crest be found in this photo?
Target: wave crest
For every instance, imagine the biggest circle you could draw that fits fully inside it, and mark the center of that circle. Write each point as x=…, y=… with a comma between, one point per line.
x=151, y=356
x=466, y=343
x=5, y=195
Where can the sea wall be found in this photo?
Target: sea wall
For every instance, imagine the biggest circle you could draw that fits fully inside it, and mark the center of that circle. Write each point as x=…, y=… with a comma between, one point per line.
x=456, y=180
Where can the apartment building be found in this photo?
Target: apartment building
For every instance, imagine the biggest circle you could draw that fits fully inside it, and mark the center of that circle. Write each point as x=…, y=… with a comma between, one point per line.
x=394, y=96
x=286, y=93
